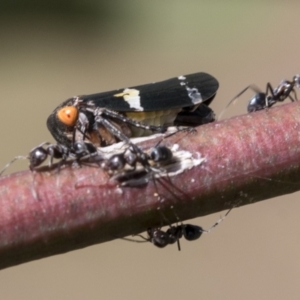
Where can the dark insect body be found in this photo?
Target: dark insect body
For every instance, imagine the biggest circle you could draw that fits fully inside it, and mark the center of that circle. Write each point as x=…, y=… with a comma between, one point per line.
x=39, y=154
x=173, y=234
x=161, y=239
x=87, y=152
x=118, y=115
x=82, y=124
x=285, y=89
x=118, y=161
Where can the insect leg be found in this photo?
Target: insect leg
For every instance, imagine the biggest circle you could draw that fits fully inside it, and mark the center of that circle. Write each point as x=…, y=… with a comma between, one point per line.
x=121, y=136
x=269, y=101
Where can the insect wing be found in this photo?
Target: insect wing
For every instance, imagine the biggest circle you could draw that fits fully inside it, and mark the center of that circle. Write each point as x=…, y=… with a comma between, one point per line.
x=178, y=92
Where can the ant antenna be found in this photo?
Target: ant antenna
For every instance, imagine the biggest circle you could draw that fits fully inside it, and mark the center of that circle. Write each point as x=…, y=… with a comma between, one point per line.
x=11, y=162
x=232, y=101
x=218, y=222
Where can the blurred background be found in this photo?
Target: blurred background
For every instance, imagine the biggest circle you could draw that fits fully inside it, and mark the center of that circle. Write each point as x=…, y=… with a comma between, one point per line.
x=52, y=50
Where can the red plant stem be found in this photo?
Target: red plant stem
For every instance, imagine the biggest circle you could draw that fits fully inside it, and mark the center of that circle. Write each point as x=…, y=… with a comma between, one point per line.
x=248, y=158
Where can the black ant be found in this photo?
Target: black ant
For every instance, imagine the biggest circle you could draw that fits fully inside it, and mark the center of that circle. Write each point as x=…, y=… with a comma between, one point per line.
x=115, y=162
x=54, y=151
x=286, y=89
x=173, y=234
x=158, y=154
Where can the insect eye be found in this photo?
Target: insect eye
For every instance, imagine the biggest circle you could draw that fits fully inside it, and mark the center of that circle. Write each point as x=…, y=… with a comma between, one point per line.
x=68, y=115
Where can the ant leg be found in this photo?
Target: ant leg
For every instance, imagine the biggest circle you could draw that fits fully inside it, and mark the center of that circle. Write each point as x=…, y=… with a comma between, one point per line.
x=145, y=240
x=174, y=233
x=294, y=98
x=116, y=115
x=269, y=89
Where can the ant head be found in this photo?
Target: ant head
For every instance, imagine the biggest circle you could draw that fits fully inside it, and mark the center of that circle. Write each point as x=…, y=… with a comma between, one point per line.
x=192, y=232
x=296, y=80
x=115, y=162
x=257, y=102
x=161, y=154
x=37, y=156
